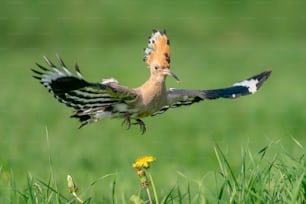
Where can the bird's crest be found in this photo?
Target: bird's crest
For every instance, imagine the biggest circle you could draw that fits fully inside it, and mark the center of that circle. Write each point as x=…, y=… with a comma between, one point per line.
x=158, y=50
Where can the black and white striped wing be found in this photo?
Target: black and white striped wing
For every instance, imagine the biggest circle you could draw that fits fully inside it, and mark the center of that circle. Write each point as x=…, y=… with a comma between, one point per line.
x=181, y=97
x=91, y=101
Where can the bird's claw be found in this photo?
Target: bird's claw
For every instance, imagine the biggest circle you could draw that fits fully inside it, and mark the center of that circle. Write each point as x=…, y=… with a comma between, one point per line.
x=127, y=121
x=142, y=125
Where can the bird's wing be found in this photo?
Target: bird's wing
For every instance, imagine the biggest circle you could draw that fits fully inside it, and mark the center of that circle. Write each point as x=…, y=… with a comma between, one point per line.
x=181, y=97
x=85, y=97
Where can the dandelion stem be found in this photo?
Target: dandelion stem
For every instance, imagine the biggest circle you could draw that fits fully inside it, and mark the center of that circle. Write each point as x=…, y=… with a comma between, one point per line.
x=154, y=189
x=149, y=195
x=77, y=198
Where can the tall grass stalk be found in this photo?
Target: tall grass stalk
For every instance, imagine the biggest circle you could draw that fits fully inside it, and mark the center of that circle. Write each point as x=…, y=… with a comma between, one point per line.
x=279, y=179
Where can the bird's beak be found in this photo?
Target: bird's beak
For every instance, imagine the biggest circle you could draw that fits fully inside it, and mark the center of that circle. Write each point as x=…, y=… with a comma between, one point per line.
x=169, y=73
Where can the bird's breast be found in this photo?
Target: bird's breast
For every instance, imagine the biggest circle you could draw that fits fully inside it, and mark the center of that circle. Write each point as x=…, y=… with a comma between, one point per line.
x=150, y=101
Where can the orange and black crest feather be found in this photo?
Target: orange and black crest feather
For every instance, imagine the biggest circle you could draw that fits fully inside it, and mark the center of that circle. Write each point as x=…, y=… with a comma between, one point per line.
x=158, y=50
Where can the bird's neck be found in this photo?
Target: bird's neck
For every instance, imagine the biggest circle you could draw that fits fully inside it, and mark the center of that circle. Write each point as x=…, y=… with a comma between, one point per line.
x=153, y=89
x=156, y=82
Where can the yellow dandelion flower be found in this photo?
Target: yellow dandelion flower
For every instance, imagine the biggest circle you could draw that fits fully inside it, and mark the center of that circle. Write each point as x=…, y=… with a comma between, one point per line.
x=144, y=162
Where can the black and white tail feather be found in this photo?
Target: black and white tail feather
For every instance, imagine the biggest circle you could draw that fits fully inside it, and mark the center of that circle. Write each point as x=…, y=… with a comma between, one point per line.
x=108, y=99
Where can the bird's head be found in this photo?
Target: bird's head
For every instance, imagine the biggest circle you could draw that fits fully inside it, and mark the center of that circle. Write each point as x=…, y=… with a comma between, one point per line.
x=158, y=55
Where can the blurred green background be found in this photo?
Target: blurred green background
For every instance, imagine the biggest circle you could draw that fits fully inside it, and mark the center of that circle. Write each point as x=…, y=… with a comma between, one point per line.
x=213, y=44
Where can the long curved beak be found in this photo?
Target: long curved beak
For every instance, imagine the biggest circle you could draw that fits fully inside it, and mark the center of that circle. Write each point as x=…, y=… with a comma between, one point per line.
x=169, y=73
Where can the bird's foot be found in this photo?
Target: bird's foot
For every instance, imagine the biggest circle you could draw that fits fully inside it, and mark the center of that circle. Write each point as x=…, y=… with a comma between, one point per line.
x=142, y=125
x=127, y=121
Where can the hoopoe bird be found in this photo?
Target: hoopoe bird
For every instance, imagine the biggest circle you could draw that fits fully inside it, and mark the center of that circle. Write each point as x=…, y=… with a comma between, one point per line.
x=95, y=101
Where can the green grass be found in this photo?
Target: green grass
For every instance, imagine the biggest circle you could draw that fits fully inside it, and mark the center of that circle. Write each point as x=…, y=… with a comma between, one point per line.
x=261, y=178
x=213, y=44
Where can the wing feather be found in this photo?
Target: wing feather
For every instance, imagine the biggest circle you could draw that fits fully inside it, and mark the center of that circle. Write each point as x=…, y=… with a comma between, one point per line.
x=90, y=100
x=181, y=97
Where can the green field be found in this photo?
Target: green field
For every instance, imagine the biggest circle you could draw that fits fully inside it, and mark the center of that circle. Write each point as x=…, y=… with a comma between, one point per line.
x=213, y=45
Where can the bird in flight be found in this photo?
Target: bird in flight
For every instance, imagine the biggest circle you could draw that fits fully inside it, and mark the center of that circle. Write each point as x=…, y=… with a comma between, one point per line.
x=94, y=101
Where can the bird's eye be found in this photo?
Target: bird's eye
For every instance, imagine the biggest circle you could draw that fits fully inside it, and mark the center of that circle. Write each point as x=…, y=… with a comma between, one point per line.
x=156, y=67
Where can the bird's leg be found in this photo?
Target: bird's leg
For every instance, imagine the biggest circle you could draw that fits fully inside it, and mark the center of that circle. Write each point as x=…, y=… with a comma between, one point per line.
x=142, y=126
x=127, y=121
